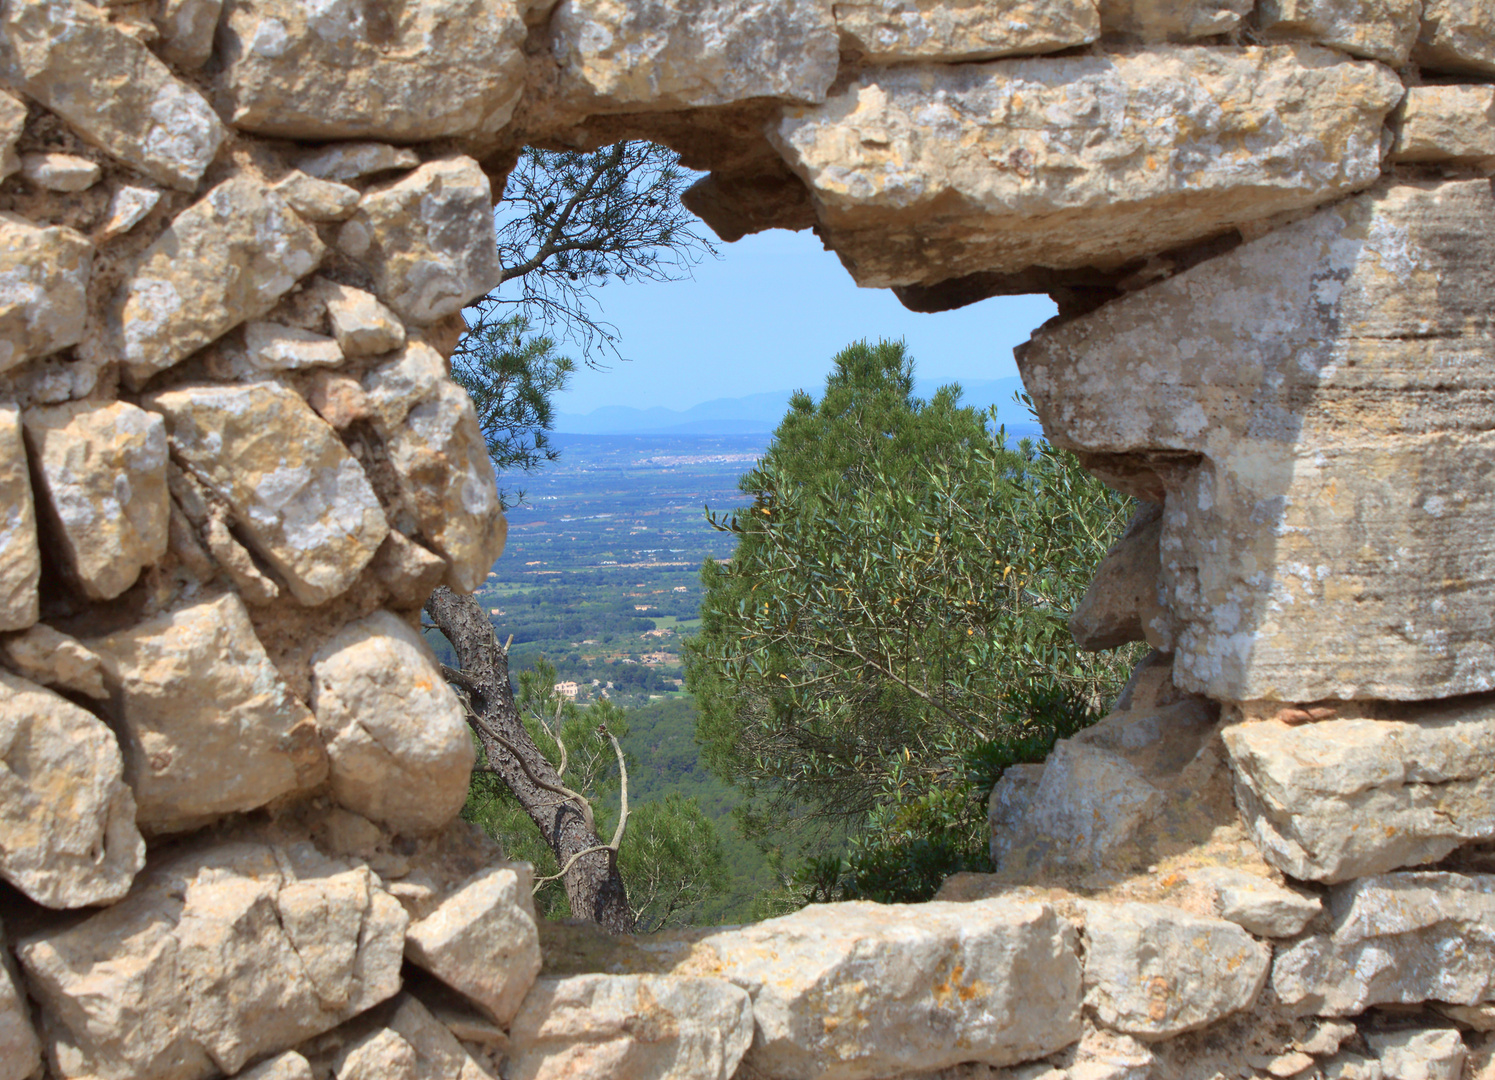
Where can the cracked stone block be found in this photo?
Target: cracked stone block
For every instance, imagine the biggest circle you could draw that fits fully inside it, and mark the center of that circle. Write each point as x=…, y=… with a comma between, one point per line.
x=44, y=272
x=208, y=725
x=67, y=819
x=1172, y=20
x=273, y=347
x=52, y=658
x=1382, y=30
x=1456, y=36
x=958, y=30
x=224, y=260
x=101, y=472
x=901, y=160
x=1278, y=397
x=110, y=88
x=1454, y=124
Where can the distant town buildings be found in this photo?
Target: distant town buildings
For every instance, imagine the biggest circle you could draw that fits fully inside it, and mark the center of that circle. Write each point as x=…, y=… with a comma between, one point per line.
x=567, y=690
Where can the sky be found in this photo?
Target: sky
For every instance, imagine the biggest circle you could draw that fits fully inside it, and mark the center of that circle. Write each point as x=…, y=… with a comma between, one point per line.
x=769, y=315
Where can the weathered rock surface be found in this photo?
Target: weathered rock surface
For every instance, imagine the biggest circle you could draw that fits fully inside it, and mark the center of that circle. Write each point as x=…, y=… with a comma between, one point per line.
x=400, y=750
x=1436, y=1054
x=12, y=123
x=67, y=820
x=63, y=173
x=1258, y=904
x=645, y=1027
x=431, y=69
x=20, y=559
x=1343, y=798
x=273, y=347
x=52, y=658
x=362, y=325
x=892, y=30
x=413, y=1045
x=854, y=990
x=428, y=239
x=318, y=200
x=102, y=478
x=110, y=88
x=1172, y=20
x=44, y=273
x=355, y=160
x=447, y=481
x=20, y=1051
x=187, y=28
x=482, y=940
x=1295, y=555
x=1447, y=124
x=218, y=956
x=1155, y=972
x=1123, y=596
x=299, y=497
x=1382, y=30
x=287, y=1066
x=208, y=725
x=1395, y=938
x=407, y=570
x=224, y=260
x=1456, y=35
x=901, y=160
x=127, y=208
x=681, y=54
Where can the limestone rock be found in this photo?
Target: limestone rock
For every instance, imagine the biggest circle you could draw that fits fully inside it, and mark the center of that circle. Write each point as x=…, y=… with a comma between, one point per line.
x=20, y=558
x=362, y=325
x=338, y=399
x=446, y=479
x=1350, y=1066
x=1296, y=559
x=318, y=200
x=1007, y=806
x=1343, y=798
x=187, y=28
x=208, y=725
x=67, y=820
x=1427, y=1054
x=414, y=1046
x=407, y=570
x=1122, y=597
x=127, y=208
x=1154, y=972
x=102, y=472
x=20, y=1052
x=1456, y=35
x=1382, y=30
x=1259, y=905
x=395, y=386
x=272, y=347
x=1172, y=20
x=1395, y=938
x=852, y=990
x=219, y=955
x=401, y=753
x=957, y=30
x=1447, y=124
x=900, y=161
x=62, y=173
x=651, y=55
x=482, y=940
x=287, y=1066
x=300, y=499
x=1480, y=1017
x=428, y=238
x=12, y=124
x=644, y=1027
x=109, y=88
x=355, y=160
x=224, y=259
x=44, y=273
x=52, y=658
x=427, y=70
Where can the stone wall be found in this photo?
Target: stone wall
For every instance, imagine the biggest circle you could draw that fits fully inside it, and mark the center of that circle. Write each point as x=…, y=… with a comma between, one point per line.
x=235, y=240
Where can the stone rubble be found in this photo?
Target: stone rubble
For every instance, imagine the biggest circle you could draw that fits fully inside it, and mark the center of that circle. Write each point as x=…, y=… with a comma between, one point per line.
x=236, y=240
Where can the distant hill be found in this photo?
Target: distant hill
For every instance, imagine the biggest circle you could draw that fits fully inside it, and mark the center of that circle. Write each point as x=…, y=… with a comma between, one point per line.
x=761, y=413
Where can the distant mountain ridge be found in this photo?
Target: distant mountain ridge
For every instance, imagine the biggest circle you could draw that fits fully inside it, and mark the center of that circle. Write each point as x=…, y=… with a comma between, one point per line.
x=761, y=413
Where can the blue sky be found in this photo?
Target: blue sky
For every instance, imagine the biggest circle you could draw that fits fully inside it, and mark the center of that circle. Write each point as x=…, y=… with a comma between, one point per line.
x=769, y=315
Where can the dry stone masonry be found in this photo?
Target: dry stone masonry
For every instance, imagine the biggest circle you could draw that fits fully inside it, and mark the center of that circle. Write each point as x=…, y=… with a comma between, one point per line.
x=236, y=238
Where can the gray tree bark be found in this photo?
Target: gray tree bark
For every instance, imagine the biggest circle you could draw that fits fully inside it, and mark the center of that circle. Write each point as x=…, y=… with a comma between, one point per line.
x=593, y=883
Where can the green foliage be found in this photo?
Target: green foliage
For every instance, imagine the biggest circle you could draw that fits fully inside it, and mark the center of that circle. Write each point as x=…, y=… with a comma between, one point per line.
x=672, y=861
x=892, y=629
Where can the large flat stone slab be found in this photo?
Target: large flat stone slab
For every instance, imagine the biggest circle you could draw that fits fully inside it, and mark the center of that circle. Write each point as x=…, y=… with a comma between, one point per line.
x=1313, y=408
x=951, y=31
x=858, y=990
x=1343, y=798
x=922, y=173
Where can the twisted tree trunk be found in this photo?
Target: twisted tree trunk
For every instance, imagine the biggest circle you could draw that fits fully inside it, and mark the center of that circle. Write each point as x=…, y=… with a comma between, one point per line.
x=593, y=884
